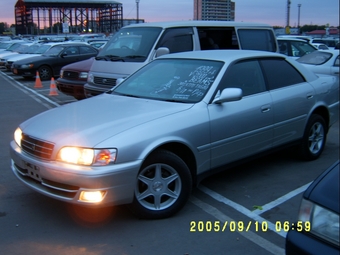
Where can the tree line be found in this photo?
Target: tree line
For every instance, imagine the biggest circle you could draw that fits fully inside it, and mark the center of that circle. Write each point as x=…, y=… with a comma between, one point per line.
x=4, y=27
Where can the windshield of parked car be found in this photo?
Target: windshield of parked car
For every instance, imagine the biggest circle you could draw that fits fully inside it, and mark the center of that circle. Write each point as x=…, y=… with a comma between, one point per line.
x=299, y=49
x=174, y=80
x=130, y=44
x=42, y=49
x=315, y=58
x=54, y=51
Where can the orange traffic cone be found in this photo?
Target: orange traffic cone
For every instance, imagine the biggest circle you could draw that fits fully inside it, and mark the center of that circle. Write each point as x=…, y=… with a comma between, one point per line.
x=53, y=88
x=38, y=83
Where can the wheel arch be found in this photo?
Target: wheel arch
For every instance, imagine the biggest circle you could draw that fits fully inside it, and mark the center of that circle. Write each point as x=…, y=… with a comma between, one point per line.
x=182, y=151
x=324, y=113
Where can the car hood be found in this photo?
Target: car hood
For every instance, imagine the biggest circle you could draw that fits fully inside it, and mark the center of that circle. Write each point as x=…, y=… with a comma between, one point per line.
x=325, y=189
x=82, y=66
x=33, y=59
x=91, y=121
x=21, y=56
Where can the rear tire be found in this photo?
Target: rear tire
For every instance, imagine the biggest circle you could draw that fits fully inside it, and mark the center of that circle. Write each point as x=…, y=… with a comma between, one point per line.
x=314, y=138
x=163, y=186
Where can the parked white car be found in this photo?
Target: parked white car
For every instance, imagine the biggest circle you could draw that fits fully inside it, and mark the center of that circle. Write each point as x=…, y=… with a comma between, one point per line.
x=322, y=62
x=150, y=139
x=294, y=47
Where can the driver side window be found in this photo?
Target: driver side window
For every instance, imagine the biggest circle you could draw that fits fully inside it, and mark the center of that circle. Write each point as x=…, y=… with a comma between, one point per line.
x=246, y=75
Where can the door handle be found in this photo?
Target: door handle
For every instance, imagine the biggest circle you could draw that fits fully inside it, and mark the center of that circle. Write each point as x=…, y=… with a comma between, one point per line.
x=265, y=108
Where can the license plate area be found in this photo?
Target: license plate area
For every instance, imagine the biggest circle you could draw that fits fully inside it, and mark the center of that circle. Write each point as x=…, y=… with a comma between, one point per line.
x=15, y=71
x=32, y=171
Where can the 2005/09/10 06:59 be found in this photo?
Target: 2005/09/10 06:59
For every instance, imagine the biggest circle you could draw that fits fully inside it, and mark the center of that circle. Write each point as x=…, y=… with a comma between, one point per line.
x=240, y=226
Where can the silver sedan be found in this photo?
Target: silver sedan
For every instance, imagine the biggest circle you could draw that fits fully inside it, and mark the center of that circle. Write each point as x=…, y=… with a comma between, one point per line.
x=150, y=139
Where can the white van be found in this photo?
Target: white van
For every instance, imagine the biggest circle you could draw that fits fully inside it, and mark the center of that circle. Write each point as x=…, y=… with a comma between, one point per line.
x=135, y=45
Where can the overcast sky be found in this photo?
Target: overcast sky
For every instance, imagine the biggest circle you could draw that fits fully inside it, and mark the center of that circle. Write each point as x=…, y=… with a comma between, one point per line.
x=273, y=12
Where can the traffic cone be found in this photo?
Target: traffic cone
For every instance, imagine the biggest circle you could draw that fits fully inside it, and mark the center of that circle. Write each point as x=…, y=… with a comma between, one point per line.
x=53, y=88
x=38, y=83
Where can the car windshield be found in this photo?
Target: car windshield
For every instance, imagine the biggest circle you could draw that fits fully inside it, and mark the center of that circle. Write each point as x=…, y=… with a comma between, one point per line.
x=315, y=58
x=54, y=51
x=132, y=44
x=301, y=48
x=32, y=48
x=174, y=80
x=42, y=49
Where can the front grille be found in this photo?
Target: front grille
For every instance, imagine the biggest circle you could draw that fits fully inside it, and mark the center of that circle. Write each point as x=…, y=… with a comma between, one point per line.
x=106, y=82
x=70, y=75
x=35, y=147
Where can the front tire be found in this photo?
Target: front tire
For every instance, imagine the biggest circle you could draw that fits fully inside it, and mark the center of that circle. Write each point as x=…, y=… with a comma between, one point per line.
x=314, y=138
x=45, y=73
x=163, y=186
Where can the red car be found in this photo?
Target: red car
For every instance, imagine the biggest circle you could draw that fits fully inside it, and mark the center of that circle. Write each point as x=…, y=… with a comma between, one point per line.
x=73, y=77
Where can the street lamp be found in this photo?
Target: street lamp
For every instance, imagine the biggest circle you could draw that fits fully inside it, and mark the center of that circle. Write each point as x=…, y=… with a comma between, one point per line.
x=137, y=4
x=299, y=6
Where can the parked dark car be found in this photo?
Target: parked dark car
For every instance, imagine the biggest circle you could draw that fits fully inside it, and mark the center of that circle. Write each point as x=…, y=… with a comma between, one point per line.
x=73, y=78
x=50, y=63
x=317, y=229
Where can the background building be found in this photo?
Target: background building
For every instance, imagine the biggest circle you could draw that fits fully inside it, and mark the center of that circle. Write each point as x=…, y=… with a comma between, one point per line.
x=223, y=10
x=67, y=16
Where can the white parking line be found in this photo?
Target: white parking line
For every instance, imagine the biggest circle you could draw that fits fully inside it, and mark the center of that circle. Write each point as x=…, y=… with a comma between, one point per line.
x=282, y=199
x=35, y=95
x=251, y=236
x=241, y=209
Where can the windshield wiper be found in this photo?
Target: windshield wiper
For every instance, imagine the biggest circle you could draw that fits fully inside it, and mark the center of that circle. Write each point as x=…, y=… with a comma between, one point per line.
x=109, y=57
x=135, y=56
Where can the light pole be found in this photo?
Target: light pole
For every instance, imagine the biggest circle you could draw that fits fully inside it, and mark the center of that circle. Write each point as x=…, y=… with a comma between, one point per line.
x=137, y=4
x=299, y=6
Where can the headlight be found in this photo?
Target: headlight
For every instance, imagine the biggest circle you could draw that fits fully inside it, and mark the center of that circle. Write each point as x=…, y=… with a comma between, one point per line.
x=83, y=75
x=27, y=66
x=61, y=73
x=90, y=78
x=86, y=156
x=18, y=136
x=324, y=222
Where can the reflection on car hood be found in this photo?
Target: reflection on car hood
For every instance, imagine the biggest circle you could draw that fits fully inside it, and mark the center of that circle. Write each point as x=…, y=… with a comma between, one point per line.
x=91, y=121
x=325, y=189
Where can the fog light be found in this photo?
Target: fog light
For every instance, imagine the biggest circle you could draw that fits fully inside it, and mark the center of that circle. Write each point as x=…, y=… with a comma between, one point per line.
x=92, y=196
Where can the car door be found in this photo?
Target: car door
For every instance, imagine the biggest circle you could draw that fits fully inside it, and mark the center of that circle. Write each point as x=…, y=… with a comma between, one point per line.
x=241, y=128
x=292, y=99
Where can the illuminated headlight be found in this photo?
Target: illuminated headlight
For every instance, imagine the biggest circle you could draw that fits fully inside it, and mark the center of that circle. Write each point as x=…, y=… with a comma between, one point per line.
x=18, y=136
x=27, y=66
x=92, y=196
x=61, y=73
x=324, y=222
x=83, y=75
x=90, y=78
x=86, y=156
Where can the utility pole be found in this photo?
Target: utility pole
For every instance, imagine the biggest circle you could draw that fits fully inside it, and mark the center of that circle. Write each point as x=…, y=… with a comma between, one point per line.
x=137, y=3
x=288, y=16
x=299, y=6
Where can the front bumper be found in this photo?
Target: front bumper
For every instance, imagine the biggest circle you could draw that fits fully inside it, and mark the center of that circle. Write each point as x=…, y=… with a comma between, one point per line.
x=65, y=182
x=24, y=72
x=73, y=88
x=91, y=91
x=300, y=243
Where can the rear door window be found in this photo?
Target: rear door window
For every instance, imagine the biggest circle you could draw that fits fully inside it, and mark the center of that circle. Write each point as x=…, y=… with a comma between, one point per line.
x=257, y=39
x=279, y=73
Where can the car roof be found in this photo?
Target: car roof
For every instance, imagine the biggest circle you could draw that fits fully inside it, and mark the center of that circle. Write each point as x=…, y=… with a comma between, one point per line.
x=325, y=189
x=223, y=55
x=229, y=56
x=199, y=23
x=291, y=39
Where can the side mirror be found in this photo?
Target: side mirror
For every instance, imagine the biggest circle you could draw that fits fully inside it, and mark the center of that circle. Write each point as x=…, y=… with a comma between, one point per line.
x=63, y=54
x=119, y=80
x=162, y=51
x=228, y=95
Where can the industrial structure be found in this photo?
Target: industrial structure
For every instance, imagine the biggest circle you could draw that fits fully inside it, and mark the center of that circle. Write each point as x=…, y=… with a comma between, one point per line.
x=223, y=10
x=67, y=16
